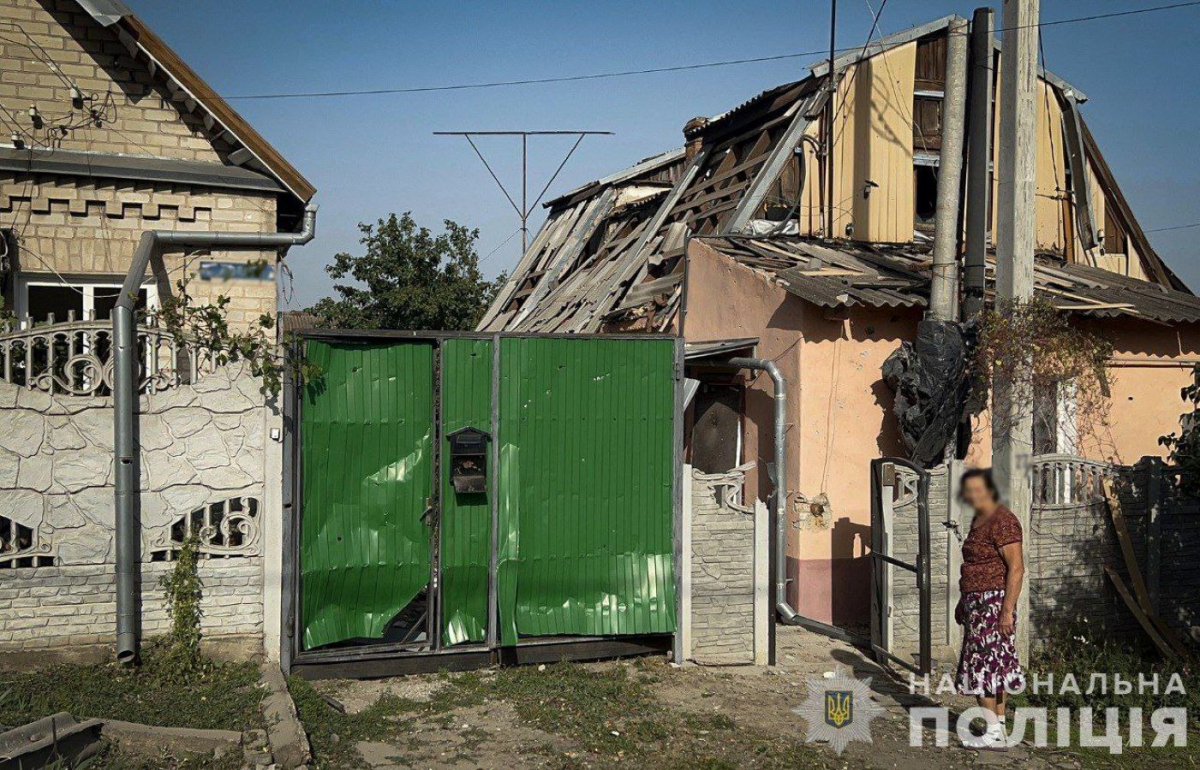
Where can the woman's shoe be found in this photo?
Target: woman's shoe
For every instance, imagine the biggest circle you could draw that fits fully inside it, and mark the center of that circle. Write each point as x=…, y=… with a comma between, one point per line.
x=993, y=739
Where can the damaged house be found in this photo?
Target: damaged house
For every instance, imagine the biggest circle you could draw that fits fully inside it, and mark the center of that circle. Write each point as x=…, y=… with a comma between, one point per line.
x=749, y=241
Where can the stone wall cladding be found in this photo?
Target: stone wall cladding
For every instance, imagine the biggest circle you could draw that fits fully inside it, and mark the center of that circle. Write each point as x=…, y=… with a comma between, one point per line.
x=906, y=608
x=722, y=575
x=201, y=444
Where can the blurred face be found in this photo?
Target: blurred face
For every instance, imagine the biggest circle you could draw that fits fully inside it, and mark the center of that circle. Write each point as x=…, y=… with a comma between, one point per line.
x=976, y=494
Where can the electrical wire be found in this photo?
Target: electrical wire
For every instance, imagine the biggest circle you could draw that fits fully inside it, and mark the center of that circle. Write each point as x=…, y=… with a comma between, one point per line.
x=656, y=70
x=1173, y=227
x=502, y=245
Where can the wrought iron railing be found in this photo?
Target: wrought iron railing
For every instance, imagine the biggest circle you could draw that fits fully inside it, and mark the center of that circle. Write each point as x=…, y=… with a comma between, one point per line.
x=223, y=529
x=74, y=358
x=1065, y=481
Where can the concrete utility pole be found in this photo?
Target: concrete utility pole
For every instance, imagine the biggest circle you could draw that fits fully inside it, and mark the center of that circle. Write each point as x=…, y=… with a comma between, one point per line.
x=1012, y=424
x=943, y=294
x=979, y=162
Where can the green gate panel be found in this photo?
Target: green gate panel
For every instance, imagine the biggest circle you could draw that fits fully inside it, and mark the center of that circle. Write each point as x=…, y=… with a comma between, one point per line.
x=466, y=518
x=366, y=442
x=586, y=511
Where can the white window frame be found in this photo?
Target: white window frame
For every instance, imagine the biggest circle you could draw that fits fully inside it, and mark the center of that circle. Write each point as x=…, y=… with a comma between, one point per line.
x=87, y=286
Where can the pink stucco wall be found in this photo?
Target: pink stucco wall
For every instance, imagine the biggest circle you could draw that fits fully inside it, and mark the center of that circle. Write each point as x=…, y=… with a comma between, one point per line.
x=837, y=409
x=840, y=417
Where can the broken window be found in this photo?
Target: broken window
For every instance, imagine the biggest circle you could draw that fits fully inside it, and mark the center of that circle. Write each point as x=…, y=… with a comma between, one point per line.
x=927, y=122
x=924, y=196
x=1115, y=241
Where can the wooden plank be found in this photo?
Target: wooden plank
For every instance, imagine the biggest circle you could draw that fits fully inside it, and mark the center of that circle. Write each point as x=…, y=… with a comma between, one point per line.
x=1147, y=626
x=1131, y=563
x=1134, y=569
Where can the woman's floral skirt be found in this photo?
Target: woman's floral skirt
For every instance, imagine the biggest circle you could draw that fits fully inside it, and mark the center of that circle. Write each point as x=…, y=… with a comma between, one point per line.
x=988, y=662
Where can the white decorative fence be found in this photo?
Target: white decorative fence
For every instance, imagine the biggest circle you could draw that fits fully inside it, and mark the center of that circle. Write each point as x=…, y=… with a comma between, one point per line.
x=75, y=358
x=200, y=429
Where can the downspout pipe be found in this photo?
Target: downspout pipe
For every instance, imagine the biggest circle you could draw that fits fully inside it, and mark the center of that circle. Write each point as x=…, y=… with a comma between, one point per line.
x=785, y=611
x=126, y=471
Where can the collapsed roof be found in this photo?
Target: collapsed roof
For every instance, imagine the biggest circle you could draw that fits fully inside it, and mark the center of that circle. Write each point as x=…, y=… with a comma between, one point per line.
x=609, y=255
x=861, y=275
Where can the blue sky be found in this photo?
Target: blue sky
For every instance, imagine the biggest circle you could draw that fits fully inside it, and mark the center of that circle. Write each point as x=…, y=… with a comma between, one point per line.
x=371, y=155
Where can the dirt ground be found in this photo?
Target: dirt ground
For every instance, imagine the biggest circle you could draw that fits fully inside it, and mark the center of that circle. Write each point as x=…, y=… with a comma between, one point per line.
x=702, y=717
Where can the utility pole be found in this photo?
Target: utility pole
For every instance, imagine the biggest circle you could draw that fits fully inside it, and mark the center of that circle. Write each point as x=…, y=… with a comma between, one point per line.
x=979, y=162
x=1012, y=424
x=943, y=294
x=524, y=210
x=830, y=112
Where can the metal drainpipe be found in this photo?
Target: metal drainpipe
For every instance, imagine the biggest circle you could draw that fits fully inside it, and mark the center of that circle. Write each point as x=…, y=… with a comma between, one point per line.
x=125, y=366
x=786, y=613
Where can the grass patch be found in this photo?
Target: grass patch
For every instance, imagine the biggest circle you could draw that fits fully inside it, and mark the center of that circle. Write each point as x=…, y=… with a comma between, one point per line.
x=1079, y=650
x=611, y=714
x=333, y=734
x=224, y=696
x=112, y=758
x=604, y=716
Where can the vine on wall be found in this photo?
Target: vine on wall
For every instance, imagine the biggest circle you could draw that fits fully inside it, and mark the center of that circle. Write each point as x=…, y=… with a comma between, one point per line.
x=183, y=590
x=1037, y=349
x=208, y=325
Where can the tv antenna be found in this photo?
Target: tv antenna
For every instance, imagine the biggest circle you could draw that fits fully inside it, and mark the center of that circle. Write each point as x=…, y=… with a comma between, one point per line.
x=525, y=208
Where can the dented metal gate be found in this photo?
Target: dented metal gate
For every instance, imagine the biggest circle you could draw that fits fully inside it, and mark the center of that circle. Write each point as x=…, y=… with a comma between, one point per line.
x=480, y=493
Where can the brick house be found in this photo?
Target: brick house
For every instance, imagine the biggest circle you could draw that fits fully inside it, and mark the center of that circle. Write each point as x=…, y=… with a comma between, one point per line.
x=125, y=137
x=107, y=133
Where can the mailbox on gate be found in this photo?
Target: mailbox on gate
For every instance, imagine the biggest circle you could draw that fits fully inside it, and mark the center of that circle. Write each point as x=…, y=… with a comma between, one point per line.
x=468, y=460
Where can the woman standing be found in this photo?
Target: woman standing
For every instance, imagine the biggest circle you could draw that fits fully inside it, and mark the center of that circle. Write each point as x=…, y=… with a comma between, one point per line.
x=992, y=570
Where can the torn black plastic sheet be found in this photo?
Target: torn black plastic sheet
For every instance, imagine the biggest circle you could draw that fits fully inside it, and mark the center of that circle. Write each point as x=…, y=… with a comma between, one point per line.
x=931, y=379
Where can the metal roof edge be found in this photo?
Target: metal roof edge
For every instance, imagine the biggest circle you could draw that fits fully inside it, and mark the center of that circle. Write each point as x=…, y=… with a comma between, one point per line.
x=884, y=44
x=99, y=165
x=105, y=12
x=641, y=167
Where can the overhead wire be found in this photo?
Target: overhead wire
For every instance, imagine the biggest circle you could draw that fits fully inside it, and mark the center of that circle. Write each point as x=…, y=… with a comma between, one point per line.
x=657, y=70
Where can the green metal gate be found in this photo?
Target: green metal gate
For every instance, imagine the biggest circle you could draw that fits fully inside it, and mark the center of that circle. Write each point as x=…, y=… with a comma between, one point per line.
x=575, y=534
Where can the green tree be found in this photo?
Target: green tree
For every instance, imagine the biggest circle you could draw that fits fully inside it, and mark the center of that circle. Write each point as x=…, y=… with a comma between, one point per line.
x=1183, y=446
x=409, y=278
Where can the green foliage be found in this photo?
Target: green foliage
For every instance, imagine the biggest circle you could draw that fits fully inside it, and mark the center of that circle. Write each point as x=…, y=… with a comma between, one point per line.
x=1081, y=650
x=409, y=278
x=221, y=697
x=207, y=325
x=1036, y=349
x=183, y=590
x=1183, y=446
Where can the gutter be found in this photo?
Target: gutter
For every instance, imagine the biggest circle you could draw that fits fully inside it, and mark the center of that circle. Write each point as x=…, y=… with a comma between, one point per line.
x=785, y=611
x=126, y=473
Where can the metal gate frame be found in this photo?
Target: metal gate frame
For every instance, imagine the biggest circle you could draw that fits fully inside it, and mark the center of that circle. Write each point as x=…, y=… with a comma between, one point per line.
x=881, y=557
x=383, y=659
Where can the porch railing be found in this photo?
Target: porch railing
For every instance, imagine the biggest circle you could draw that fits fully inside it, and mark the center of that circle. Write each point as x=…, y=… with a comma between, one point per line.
x=1065, y=481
